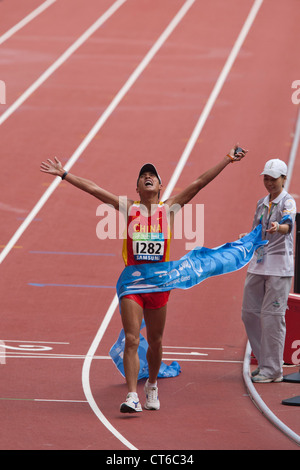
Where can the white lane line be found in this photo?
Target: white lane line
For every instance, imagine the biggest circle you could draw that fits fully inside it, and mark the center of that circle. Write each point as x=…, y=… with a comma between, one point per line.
x=85, y=376
x=195, y=347
x=64, y=356
x=213, y=96
x=60, y=401
x=26, y=341
x=192, y=353
x=218, y=361
x=41, y=399
x=260, y=404
x=26, y=20
x=11, y=355
x=65, y=56
x=294, y=150
x=92, y=357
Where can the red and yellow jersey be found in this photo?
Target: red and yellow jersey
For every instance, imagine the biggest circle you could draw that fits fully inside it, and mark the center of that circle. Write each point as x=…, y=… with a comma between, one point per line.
x=148, y=237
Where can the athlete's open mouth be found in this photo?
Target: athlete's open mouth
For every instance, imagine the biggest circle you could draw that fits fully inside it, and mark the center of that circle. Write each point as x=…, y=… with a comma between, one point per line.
x=148, y=183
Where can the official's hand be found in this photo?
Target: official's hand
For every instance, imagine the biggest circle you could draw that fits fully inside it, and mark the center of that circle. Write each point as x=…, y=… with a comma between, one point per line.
x=274, y=227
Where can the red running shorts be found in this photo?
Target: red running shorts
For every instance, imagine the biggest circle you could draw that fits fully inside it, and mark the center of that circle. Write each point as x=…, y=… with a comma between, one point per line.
x=151, y=300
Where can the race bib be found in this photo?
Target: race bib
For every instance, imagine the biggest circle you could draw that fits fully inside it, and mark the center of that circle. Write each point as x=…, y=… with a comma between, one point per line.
x=148, y=246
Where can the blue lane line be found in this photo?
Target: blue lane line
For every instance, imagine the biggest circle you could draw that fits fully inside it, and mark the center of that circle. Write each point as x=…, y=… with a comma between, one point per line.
x=38, y=284
x=71, y=253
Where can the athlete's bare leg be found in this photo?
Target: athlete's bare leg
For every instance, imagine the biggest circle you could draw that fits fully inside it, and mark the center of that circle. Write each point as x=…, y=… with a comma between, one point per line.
x=155, y=320
x=132, y=315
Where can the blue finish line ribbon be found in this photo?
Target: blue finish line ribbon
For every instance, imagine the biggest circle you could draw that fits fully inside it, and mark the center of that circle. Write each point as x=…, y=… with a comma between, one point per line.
x=193, y=268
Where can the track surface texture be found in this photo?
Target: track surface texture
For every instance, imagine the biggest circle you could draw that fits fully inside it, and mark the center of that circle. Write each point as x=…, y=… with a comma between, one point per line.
x=59, y=388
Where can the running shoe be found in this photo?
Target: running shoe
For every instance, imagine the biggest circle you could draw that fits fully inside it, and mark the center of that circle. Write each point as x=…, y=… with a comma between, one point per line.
x=255, y=372
x=152, y=401
x=262, y=379
x=131, y=405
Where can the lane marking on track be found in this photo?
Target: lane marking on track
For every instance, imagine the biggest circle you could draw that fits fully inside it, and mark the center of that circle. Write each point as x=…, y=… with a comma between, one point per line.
x=192, y=353
x=73, y=253
x=85, y=286
x=61, y=60
x=49, y=356
x=213, y=97
x=192, y=347
x=294, y=150
x=26, y=20
x=42, y=399
x=38, y=342
x=105, y=358
x=15, y=246
x=218, y=361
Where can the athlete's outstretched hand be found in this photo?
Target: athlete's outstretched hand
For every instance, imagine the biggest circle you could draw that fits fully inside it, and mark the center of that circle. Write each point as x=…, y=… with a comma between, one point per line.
x=53, y=168
x=236, y=157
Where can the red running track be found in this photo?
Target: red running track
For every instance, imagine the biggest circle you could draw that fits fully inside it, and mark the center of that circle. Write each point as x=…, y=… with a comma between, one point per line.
x=58, y=278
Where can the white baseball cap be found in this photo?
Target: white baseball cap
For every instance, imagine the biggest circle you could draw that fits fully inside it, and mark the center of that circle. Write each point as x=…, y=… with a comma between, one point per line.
x=275, y=168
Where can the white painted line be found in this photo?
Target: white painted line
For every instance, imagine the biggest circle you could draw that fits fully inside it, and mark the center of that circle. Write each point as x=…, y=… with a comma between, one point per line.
x=48, y=356
x=260, y=404
x=213, y=97
x=193, y=347
x=193, y=353
x=81, y=40
x=27, y=341
x=86, y=376
x=204, y=360
x=26, y=20
x=294, y=150
x=60, y=401
x=91, y=357
x=41, y=399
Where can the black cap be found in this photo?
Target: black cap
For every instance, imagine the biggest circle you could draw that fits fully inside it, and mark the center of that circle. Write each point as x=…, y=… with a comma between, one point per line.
x=151, y=168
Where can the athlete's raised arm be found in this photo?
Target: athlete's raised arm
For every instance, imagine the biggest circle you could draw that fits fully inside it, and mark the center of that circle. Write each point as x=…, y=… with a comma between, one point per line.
x=56, y=169
x=190, y=191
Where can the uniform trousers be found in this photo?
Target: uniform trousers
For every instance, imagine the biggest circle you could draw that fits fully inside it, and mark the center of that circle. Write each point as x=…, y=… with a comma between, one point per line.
x=263, y=313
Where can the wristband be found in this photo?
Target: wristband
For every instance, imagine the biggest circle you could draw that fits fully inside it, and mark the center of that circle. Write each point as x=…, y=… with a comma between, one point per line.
x=231, y=158
x=64, y=175
x=277, y=228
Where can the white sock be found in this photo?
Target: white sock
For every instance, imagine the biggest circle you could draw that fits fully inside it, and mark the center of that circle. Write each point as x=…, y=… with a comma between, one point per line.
x=152, y=385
